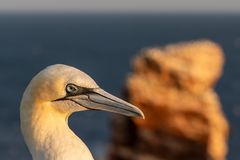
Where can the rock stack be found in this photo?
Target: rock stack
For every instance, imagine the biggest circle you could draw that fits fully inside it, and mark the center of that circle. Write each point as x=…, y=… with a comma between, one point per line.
x=174, y=86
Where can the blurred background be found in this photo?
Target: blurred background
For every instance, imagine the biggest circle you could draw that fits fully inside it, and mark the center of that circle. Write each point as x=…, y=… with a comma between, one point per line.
x=101, y=37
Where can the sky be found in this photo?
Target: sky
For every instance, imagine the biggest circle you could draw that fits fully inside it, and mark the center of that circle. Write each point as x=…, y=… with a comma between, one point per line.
x=121, y=5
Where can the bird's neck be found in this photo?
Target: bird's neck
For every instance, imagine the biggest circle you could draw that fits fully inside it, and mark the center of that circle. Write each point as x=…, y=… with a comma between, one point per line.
x=48, y=136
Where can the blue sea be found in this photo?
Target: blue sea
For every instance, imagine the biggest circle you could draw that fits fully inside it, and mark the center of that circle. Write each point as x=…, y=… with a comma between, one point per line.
x=103, y=45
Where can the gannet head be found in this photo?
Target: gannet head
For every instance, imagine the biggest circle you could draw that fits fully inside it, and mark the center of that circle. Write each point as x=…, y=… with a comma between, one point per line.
x=69, y=90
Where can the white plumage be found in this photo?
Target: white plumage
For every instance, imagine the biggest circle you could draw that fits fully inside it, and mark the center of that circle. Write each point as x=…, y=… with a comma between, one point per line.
x=50, y=98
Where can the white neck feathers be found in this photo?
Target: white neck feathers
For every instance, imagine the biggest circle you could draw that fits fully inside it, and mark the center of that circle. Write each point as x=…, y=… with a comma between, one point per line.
x=47, y=134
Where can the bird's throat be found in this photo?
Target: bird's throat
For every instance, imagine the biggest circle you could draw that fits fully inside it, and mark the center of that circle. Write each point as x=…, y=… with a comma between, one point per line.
x=47, y=134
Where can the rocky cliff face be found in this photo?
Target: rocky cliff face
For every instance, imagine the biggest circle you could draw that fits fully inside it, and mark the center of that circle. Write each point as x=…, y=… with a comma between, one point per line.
x=174, y=88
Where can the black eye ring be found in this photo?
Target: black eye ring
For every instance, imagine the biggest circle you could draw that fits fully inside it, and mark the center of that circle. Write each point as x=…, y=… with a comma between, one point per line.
x=71, y=88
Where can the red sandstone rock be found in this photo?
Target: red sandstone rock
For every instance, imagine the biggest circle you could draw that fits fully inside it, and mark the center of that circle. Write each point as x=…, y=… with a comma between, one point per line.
x=174, y=88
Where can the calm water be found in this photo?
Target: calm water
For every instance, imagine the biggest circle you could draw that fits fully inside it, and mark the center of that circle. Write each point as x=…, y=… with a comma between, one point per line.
x=102, y=45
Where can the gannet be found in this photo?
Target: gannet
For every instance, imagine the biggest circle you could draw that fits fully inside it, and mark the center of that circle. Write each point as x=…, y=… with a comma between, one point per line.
x=50, y=98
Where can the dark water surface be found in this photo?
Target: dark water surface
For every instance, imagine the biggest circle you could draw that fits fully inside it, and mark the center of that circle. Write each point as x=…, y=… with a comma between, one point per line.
x=102, y=45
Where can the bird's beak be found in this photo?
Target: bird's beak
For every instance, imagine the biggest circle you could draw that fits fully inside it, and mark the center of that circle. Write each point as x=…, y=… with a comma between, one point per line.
x=99, y=99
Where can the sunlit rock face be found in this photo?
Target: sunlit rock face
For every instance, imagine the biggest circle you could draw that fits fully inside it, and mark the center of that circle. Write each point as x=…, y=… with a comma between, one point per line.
x=174, y=88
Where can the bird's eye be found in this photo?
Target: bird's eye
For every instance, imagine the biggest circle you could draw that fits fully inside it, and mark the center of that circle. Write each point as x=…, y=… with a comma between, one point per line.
x=71, y=88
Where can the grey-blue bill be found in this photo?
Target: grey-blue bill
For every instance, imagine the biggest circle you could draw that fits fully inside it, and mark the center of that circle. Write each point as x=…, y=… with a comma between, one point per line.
x=98, y=99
